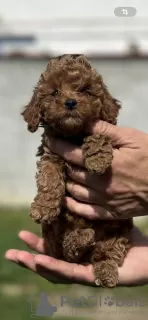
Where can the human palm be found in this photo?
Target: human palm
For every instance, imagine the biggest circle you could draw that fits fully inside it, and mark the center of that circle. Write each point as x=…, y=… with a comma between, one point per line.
x=133, y=272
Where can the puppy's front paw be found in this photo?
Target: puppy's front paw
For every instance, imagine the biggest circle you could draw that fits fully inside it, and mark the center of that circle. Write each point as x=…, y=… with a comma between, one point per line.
x=97, y=152
x=42, y=214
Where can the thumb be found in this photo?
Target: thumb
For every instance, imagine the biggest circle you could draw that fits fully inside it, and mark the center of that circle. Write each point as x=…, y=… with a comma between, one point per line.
x=117, y=134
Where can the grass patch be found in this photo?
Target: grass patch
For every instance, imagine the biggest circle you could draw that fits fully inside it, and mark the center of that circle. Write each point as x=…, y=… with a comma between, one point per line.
x=13, y=277
x=19, y=308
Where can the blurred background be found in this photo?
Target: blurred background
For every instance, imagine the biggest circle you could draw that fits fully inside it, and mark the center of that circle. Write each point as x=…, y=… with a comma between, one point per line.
x=32, y=31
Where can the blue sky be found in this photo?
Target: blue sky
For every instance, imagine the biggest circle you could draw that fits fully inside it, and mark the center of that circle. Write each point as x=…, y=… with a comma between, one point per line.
x=27, y=9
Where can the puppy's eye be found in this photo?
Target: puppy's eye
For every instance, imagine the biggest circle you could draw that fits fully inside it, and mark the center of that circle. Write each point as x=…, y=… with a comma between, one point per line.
x=85, y=90
x=88, y=92
x=54, y=93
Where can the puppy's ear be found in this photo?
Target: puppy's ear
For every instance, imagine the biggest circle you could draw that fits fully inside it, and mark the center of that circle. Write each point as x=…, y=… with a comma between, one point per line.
x=110, y=109
x=31, y=113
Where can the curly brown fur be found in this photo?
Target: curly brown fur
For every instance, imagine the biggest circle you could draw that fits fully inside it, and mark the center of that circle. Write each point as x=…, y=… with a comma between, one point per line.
x=74, y=239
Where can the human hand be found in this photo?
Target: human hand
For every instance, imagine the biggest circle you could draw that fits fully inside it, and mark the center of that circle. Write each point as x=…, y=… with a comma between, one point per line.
x=121, y=194
x=133, y=272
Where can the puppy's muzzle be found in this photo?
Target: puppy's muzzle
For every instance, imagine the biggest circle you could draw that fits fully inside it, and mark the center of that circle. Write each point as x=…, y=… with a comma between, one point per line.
x=70, y=104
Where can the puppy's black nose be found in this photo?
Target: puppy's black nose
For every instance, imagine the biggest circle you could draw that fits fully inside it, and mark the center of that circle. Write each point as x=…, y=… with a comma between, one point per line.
x=71, y=104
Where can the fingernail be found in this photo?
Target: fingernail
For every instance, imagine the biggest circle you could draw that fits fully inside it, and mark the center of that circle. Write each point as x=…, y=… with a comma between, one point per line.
x=8, y=255
x=69, y=185
x=69, y=169
x=67, y=165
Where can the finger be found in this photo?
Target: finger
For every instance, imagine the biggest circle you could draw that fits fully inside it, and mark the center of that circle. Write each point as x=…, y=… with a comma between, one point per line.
x=26, y=260
x=93, y=180
x=69, y=152
x=70, y=271
x=108, y=129
x=18, y=256
x=32, y=241
x=83, y=177
x=103, y=184
x=37, y=244
x=91, y=212
x=82, y=193
x=120, y=136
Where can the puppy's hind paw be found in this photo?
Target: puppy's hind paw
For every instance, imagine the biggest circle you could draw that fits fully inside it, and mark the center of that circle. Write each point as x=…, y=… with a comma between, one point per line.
x=76, y=243
x=106, y=274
